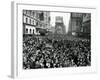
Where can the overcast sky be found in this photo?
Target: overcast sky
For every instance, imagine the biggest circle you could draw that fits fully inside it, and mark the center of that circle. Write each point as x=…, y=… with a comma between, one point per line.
x=66, y=17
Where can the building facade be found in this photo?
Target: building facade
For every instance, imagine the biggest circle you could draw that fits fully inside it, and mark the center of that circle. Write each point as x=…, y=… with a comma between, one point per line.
x=86, y=25
x=34, y=21
x=80, y=24
x=59, y=25
x=75, y=23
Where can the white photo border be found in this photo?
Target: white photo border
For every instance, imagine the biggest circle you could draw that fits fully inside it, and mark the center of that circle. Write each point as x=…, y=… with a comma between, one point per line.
x=18, y=71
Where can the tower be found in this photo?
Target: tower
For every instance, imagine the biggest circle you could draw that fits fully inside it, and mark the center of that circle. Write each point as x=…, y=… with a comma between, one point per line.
x=75, y=24
x=59, y=25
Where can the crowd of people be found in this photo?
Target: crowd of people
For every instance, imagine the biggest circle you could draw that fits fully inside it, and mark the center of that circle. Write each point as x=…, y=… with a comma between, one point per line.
x=45, y=52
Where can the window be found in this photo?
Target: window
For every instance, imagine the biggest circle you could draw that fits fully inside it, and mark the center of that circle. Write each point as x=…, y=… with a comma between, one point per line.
x=33, y=31
x=24, y=11
x=33, y=14
x=33, y=22
x=30, y=31
x=84, y=15
x=30, y=21
x=26, y=30
x=41, y=16
x=26, y=20
x=77, y=22
x=49, y=19
x=37, y=23
x=29, y=12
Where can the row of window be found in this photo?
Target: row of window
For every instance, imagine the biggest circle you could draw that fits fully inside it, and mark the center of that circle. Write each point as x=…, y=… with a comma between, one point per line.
x=29, y=21
x=76, y=22
x=29, y=12
x=29, y=31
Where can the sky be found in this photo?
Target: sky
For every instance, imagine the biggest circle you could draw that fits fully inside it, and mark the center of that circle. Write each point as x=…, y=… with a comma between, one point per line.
x=66, y=18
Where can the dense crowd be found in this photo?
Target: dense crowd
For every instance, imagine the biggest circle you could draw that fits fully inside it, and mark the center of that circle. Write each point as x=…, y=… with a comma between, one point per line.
x=44, y=52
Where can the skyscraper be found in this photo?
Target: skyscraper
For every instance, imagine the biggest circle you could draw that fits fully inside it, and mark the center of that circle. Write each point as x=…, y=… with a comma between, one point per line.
x=75, y=23
x=59, y=25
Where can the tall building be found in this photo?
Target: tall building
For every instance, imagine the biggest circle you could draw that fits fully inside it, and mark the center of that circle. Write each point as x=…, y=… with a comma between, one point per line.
x=35, y=20
x=59, y=25
x=86, y=24
x=80, y=24
x=75, y=23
